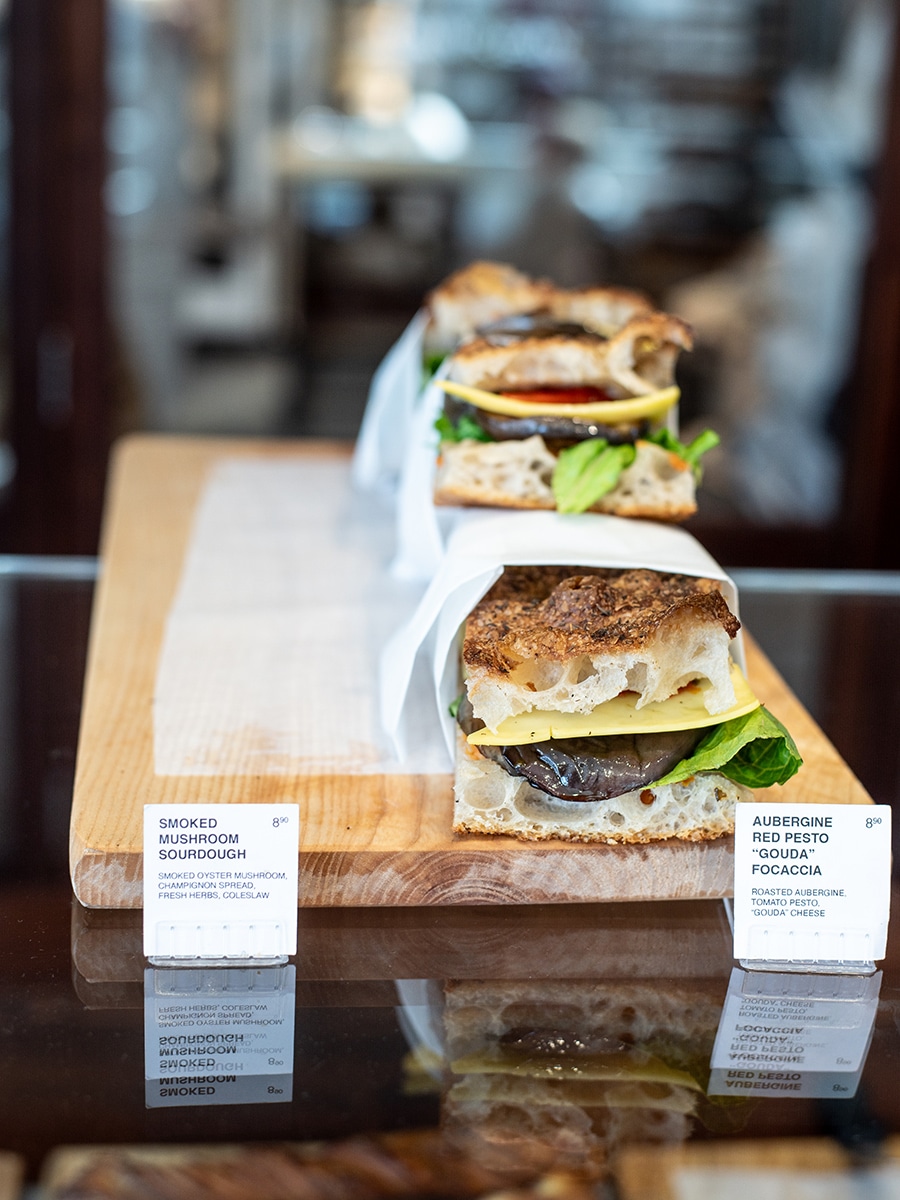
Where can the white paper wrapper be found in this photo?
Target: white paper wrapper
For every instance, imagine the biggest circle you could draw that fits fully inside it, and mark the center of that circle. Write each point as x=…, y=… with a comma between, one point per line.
x=393, y=395
x=480, y=545
x=269, y=659
x=423, y=528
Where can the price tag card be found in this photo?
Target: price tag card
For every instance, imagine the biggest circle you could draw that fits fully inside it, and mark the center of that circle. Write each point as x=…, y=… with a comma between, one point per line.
x=218, y=1035
x=220, y=882
x=812, y=885
x=793, y=1035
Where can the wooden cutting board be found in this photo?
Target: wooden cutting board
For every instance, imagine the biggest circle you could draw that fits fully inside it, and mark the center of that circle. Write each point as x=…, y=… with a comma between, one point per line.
x=365, y=839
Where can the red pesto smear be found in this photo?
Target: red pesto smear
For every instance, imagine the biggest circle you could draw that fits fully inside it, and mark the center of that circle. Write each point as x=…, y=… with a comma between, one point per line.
x=576, y=395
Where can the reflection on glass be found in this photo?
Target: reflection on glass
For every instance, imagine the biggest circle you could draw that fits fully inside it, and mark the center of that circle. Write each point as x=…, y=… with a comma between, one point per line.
x=556, y=1074
x=218, y=1035
x=536, y=1075
x=794, y=1035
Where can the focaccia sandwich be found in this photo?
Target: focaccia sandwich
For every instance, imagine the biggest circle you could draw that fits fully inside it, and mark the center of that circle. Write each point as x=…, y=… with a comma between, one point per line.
x=605, y=705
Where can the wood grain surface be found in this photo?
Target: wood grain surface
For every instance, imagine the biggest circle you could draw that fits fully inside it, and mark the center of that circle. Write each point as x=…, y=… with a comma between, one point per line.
x=365, y=839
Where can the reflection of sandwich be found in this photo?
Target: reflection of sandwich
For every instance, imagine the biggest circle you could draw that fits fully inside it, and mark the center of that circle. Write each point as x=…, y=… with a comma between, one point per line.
x=549, y=414
x=603, y=705
x=566, y=1071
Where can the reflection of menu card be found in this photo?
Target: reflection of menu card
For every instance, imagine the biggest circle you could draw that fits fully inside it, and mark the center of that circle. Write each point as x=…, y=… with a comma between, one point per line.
x=793, y=1035
x=218, y=1035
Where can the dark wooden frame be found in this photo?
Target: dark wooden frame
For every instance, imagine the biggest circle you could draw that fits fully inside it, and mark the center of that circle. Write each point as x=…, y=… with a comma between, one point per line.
x=872, y=494
x=59, y=421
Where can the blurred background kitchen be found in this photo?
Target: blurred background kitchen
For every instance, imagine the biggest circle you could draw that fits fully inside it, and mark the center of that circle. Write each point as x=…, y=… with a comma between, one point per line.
x=217, y=215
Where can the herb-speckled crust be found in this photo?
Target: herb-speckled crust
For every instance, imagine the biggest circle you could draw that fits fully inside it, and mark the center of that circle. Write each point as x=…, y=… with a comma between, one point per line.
x=559, y=613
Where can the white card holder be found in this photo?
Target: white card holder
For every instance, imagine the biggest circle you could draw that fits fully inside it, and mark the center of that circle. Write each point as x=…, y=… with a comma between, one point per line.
x=220, y=883
x=811, y=887
x=220, y=942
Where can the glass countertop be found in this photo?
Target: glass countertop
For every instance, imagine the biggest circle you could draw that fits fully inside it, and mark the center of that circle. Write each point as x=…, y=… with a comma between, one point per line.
x=432, y=1051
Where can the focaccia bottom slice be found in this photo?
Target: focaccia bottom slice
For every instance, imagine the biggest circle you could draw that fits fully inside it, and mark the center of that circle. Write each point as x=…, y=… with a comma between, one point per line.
x=517, y=474
x=488, y=800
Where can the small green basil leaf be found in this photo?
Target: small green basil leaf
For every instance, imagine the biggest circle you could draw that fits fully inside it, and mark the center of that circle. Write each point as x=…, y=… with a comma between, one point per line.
x=691, y=452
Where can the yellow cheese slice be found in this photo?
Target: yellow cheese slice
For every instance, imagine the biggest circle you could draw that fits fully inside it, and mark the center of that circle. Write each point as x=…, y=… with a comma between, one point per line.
x=684, y=710
x=609, y=412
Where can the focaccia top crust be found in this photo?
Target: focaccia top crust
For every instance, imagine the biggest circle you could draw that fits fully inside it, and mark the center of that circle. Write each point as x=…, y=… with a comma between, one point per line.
x=557, y=613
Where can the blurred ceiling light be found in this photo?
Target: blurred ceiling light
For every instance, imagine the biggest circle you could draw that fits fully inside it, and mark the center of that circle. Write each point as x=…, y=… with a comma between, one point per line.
x=380, y=94
x=601, y=195
x=129, y=130
x=156, y=6
x=320, y=130
x=376, y=63
x=129, y=190
x=437, y=126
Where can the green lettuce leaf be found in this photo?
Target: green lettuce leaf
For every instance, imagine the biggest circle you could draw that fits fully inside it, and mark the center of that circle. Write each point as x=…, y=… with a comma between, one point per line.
x=465, y=428
x=587, y=471
x=755, y=750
